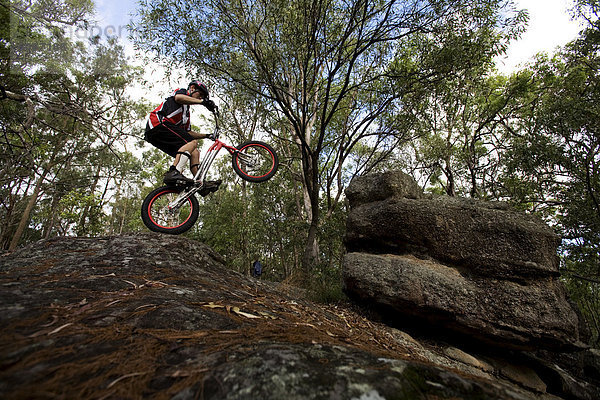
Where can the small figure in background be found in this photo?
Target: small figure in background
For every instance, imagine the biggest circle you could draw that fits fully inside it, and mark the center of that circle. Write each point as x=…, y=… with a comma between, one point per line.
x=256, y=269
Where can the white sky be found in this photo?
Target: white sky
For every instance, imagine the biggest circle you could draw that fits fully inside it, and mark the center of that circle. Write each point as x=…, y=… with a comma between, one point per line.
x=550, y=26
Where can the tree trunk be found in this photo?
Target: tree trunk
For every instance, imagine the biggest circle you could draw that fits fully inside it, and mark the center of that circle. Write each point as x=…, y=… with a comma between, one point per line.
x=50, y=221
x=310, y=257
x=81, y=228
x=26, y=214
x=9, y=205
x=123, y=215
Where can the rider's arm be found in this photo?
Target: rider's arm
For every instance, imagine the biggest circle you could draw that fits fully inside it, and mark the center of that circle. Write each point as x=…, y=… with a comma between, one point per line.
x=185, y=99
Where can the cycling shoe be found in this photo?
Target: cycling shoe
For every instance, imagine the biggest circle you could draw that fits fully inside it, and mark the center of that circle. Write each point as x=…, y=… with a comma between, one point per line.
x=175, y=178
x=209, y=187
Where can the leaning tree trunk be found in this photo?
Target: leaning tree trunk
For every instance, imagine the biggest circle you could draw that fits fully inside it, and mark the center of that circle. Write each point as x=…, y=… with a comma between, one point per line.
x=27, y=213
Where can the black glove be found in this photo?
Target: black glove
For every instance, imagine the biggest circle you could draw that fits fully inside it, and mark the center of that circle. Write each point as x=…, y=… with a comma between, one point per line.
x=209, y=104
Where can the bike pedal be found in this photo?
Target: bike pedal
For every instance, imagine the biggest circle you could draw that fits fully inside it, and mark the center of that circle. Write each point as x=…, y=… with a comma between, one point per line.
x=180, y=183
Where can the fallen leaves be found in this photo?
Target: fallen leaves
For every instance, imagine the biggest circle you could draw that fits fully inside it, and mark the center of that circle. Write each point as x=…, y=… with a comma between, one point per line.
x=102, y=276
x=186, y=373
x=267, y=315
x=148, y=283
x=177, y=335
x=244, y=314
x=236, y=310
x=60, y=328
x=52, y=332
x=54, y=319
x=125, y=377
x=213, y=305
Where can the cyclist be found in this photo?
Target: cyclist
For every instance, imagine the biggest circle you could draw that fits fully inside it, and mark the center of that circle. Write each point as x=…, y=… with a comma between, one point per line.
x=169, y=129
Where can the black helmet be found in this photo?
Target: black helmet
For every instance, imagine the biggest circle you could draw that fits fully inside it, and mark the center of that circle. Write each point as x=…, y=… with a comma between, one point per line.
x=201, y=87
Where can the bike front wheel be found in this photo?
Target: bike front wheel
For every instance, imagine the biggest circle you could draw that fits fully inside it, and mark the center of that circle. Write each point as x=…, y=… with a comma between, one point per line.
x=158, y=216
x=255, y=161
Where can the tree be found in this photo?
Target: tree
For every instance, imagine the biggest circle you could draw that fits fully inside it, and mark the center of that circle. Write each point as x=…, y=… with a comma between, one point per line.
x=65, y=103
x=321, y=66
x=553, y=157
x=461, y=128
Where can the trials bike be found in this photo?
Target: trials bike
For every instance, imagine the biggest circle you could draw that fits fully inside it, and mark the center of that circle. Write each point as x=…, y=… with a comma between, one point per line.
x=174, y=209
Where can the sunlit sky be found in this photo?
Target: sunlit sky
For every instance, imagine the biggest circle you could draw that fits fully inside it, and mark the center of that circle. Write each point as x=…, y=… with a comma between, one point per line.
x=550, y=26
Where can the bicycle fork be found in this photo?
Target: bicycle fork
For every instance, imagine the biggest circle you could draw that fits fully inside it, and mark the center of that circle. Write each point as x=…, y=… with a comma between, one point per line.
x=246, y=159
x=183, y=196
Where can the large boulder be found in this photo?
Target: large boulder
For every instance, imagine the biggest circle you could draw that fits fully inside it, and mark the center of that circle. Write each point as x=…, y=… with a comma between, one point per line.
x=374, y=187
x=487, y=238
x=501, y=313
x=472, y=267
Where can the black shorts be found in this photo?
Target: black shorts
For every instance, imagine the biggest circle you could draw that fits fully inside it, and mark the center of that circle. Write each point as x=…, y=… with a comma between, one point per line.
x=167, y=137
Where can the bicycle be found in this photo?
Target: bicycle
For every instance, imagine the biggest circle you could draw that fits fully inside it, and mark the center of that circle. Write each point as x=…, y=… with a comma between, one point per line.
x=174, y=209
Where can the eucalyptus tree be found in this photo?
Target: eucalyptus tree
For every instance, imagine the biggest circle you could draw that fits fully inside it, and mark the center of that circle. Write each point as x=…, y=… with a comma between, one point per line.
x=462, y=128
x=322, y=66
x=32, y=43
x=553, y=163
x=64, y=101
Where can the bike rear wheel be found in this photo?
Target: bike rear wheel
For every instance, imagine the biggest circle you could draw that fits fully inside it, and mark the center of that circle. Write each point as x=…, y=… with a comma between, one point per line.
x=157, y=216
x=255, y=161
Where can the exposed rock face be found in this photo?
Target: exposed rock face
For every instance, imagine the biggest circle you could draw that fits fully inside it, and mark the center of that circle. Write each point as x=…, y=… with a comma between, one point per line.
x=497, y=312
x=151, y=316
x=374, y=187
x=478, y=272
x=468, y=266
x=487, y=238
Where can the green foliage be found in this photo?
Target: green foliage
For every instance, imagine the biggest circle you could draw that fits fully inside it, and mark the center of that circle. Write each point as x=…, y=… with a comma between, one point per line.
x=66, y=113
x=243, y=221
x=72, y=206
x=552, y=159
x=328, y=74
x=326, y=284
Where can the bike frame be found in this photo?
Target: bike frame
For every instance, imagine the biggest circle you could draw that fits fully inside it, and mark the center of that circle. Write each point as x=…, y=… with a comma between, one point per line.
x=205, y=164
x=210, y=156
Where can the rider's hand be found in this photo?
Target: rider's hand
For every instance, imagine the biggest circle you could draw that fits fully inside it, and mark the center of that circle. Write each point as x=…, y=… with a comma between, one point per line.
x=211, y=136
x=209, y=104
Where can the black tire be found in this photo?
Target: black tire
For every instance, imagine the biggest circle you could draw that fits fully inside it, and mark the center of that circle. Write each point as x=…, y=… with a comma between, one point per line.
x=157, y=217
x=263, y=166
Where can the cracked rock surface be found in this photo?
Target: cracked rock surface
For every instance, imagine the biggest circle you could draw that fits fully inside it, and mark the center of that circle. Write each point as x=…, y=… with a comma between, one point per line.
x=153, y=316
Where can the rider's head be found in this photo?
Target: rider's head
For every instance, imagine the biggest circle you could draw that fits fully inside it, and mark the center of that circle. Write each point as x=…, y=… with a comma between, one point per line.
x=198, y=87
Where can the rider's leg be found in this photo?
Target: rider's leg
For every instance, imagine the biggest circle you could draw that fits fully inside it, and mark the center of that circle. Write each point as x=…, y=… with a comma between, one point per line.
x=183, y=159
x=194, y=161
x=175, y=173
x=188, y=148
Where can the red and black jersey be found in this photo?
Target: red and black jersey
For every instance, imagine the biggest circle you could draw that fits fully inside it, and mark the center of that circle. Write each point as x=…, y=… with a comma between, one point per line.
x=172, y=112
